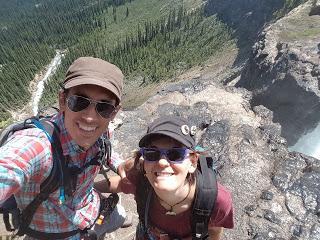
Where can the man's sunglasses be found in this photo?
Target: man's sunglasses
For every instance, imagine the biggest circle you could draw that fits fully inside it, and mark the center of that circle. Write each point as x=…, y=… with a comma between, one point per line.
x=78, y=103
x=175, y=155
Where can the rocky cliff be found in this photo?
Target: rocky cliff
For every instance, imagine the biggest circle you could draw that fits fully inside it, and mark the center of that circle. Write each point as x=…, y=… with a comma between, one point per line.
x=246, y=18
x=283, y=71
x=276, y=194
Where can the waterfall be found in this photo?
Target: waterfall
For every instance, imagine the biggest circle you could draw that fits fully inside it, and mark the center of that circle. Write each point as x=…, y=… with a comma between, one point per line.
x=309, y=143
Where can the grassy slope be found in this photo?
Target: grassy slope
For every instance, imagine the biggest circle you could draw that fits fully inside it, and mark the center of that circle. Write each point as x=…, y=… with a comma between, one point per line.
x=301, y=27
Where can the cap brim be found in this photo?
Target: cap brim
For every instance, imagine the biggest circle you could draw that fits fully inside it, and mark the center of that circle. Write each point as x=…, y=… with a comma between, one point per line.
x=76, y=81
x=144, y=140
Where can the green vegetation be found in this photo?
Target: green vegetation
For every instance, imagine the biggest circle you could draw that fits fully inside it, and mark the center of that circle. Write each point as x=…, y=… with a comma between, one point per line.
x=149, y=39
x=5, y=123
x=304, y=33
x=288, y=6
x=169, y=45
x=300, y=28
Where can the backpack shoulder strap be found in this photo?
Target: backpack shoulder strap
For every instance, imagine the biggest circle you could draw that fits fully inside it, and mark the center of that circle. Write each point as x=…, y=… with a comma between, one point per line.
x=143, y=195
x=205, y=197
x=102, y=157
x=12, y=128
x=51, y=183
x=108, y=148
x=55, y=178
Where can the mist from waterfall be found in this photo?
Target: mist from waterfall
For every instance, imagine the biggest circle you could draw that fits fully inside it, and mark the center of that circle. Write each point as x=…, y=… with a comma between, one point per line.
x=309, y=143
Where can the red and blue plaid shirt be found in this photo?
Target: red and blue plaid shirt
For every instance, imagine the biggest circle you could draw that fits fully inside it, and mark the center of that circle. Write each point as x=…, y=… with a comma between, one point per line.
x=26, y=161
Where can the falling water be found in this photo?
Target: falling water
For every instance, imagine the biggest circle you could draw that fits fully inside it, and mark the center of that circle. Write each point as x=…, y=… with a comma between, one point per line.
x=309, y=143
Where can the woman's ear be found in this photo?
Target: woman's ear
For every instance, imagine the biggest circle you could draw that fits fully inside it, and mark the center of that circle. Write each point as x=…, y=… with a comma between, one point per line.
x=194, y=157
x=62, y=101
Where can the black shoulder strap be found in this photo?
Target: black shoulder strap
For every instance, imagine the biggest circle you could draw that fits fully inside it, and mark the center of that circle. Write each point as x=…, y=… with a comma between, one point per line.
x=143, y=196
x=108, y=148
x=143, y=191
x=205, y=197
x=52, y=182
x=12, y=128
x=103, y=156
x=59, y=162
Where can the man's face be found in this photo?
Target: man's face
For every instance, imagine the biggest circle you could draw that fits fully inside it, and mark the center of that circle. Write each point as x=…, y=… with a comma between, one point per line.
x=86, y=126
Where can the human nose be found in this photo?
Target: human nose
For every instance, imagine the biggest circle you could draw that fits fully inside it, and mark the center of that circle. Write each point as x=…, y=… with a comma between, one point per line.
x=163, y=161
x=90, y=113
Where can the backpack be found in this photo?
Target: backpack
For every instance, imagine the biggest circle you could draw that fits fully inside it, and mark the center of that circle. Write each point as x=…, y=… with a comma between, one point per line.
x=61, y=176
x=203, y=204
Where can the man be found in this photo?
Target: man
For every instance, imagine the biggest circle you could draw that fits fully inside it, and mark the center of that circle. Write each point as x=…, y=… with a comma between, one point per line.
x=89, y=100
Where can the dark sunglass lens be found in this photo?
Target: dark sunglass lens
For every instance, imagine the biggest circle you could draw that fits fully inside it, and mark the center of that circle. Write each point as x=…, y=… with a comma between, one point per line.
x=105, y=109
x=77, y=103
x=176, y=154
x=151, y=155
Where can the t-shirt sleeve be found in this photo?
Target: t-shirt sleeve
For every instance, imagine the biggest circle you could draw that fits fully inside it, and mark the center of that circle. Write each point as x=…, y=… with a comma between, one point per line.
x=222, y=214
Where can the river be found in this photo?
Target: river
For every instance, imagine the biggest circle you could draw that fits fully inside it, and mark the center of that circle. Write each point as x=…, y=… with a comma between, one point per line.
x=36, y=96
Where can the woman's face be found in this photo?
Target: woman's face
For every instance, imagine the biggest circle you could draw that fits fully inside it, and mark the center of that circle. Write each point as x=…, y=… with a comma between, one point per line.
x=164, y=175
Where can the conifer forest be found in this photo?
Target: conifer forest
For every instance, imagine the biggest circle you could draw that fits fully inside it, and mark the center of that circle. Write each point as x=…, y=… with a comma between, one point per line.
x=147, y=39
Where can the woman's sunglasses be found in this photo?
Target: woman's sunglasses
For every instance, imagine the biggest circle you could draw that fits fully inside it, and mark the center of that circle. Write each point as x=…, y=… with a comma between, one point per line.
x=175, y=155
x=78, y=103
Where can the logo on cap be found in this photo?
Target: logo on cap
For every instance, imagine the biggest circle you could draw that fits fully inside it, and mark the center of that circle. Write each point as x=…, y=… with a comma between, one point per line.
x=186, y=130
x=193, y=130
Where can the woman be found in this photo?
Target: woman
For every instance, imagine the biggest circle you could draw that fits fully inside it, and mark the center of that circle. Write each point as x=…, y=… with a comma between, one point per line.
x=167, y=161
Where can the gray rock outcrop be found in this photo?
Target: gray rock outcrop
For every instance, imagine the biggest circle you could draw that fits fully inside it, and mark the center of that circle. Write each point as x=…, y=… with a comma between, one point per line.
x=283, y=71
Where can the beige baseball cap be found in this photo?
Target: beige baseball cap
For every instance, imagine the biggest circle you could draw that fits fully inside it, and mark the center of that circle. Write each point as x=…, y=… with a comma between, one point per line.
x=95, y=71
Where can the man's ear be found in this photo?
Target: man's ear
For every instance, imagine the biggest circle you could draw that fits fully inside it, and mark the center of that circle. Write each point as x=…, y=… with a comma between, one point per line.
x=62, y=101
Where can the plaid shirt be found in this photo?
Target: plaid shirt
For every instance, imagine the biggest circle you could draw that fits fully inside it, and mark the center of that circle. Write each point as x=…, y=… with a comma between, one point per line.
x=26, y=161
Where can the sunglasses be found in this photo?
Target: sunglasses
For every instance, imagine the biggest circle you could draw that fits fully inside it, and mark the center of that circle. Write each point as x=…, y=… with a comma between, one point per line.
x=175, y=155
x=78, y=103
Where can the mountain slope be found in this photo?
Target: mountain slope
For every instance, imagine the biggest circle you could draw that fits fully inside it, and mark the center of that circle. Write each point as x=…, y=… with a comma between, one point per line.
x=283, y=72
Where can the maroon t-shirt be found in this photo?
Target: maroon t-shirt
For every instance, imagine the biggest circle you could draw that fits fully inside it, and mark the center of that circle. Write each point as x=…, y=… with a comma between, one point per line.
x=180, y=224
